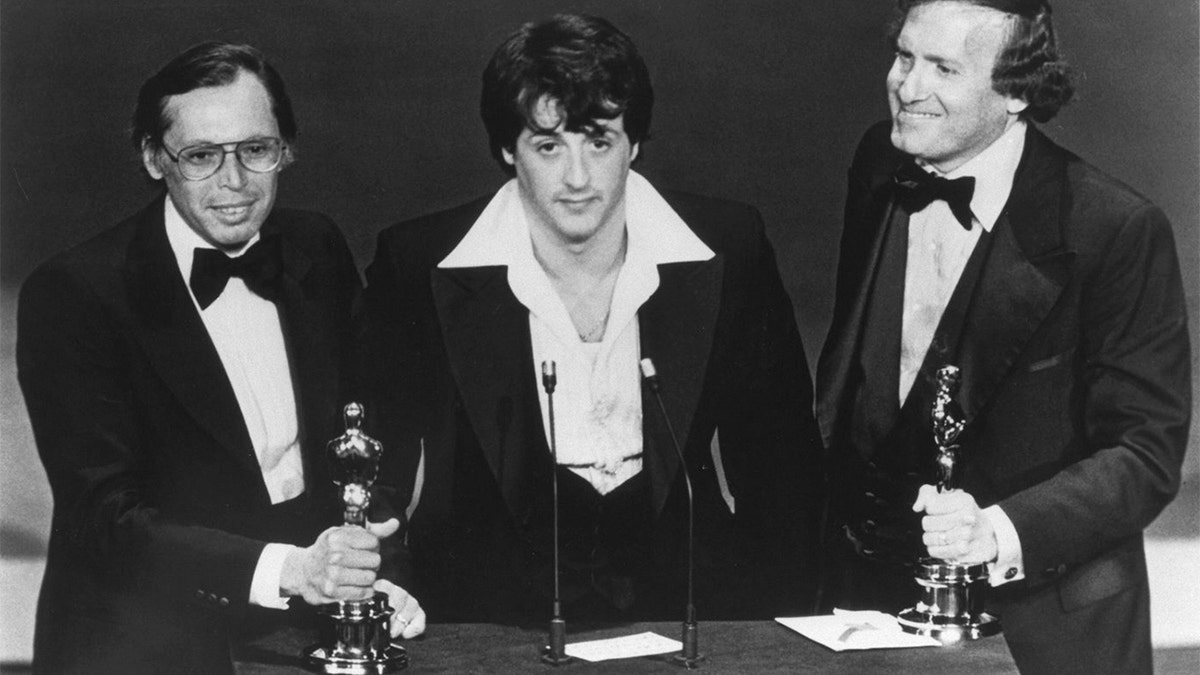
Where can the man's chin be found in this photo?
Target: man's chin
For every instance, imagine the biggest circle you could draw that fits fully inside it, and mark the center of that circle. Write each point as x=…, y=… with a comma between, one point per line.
x=905, y=140
x=234, y=237
x=575, y=228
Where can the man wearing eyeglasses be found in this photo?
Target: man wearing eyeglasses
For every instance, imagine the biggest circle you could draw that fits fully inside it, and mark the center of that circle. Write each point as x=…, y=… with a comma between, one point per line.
x=182, y=373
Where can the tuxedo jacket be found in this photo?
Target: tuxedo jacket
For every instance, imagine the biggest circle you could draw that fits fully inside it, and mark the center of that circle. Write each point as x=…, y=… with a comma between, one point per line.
x=455, y=381
x=1075, y=365
x=160, y=509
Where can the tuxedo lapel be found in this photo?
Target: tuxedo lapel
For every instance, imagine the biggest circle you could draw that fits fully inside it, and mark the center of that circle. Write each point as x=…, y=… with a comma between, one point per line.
x=1023, y=276
x=676, y=325
x=176, y=341
x=844, y=343
x=486, y=333
x=313, y=351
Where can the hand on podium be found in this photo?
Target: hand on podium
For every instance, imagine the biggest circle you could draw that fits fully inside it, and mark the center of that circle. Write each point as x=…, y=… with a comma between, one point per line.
x=956, y=529
x=408, y=619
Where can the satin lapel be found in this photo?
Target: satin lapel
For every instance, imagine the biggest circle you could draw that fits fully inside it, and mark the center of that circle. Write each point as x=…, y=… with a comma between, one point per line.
x=175, y=340
x=486, y=332
x=309, y=328
x=1023, y=276
x=676, y=326
x=845, y=336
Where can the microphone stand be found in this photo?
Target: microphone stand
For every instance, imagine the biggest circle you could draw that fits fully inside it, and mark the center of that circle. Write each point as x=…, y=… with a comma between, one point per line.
x=690, y=657
x=555, y=652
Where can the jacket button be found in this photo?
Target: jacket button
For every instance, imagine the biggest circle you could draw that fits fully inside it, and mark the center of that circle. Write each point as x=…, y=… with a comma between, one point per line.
x=199, y=594
x=223, y=602
x=1055, y=571
x=212, y=598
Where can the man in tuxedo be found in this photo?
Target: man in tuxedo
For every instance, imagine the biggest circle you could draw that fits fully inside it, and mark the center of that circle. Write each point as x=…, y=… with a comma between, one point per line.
x=182, y=374
x=580, y=264
x=973, y=240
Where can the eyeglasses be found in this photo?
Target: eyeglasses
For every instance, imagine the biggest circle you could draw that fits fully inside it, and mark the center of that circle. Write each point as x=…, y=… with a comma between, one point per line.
x=197, y=162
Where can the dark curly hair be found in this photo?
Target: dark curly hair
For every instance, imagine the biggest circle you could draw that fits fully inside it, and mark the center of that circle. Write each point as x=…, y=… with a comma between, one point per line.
x=587, y=65
x=1029, y=67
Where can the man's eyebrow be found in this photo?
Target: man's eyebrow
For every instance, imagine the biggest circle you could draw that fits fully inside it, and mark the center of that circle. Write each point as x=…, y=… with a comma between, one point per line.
x=942, y=61
x=598, y=129
x=535, y=133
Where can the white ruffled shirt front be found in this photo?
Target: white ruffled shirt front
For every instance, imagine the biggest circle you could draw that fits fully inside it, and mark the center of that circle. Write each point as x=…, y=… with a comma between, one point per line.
x=597, y=401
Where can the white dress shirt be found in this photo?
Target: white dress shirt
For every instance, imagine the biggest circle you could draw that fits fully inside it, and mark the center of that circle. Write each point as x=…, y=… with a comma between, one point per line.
x=598, y=400
x=247, y=334
x=938, y=250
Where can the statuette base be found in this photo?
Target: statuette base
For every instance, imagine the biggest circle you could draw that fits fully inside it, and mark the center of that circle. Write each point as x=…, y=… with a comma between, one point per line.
x=951, y=606
x=392, y=659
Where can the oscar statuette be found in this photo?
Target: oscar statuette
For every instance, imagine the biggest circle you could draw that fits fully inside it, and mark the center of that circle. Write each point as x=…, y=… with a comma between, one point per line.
x=952, y=594
x=363, y=644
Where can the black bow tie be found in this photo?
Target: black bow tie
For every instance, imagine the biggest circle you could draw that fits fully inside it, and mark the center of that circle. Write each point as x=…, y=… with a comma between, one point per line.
x=916, y=188
x=259, y=267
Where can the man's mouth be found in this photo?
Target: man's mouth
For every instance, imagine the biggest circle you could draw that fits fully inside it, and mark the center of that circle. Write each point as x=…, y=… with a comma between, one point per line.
x=577, y=202
x=232, y=211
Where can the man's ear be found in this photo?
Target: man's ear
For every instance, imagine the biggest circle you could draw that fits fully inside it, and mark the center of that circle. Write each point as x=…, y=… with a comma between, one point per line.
x=150, y=160
x=1016, y=106
x=633, y=153
x=289, y=156
x=507, y=154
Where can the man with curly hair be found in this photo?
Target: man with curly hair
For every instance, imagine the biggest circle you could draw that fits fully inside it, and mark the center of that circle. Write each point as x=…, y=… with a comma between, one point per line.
x=971, y=239
x=579, y=261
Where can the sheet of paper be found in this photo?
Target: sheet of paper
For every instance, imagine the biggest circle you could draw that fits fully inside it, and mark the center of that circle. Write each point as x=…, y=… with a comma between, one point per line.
x=630, y=646
x=845, y=630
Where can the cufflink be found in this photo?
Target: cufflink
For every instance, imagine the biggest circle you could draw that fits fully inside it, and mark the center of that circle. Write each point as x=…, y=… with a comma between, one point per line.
x=1010, y=573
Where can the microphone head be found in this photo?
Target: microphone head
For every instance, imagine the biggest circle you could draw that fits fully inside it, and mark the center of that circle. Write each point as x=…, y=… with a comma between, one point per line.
x=549, y=378
x=648, y=370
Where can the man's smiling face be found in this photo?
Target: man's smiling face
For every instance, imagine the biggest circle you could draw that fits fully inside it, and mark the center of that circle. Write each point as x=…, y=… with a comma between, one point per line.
x=229, y=207
x=944, y=107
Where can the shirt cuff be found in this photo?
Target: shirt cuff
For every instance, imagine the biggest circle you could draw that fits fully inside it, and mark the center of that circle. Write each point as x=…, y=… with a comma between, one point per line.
x=1009, y=564
x=264, y=588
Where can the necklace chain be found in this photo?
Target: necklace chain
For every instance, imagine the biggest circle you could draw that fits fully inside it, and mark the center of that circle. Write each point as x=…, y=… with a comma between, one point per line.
x=601, y=290
x=596, y=332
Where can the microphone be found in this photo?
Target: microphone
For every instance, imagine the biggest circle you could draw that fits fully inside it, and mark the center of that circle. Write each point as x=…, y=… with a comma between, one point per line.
x=555, y=652
x=690, y=656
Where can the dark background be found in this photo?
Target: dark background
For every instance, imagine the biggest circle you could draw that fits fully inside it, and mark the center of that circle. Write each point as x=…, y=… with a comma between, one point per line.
x=757, y=101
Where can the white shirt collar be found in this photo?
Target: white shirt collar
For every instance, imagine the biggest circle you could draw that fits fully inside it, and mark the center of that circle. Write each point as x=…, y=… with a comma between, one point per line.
x=500, y=235
x=993, y=169
x=184, y=240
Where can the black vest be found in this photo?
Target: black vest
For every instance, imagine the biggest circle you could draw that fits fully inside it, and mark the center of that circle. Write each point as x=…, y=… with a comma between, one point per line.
x=891, y=451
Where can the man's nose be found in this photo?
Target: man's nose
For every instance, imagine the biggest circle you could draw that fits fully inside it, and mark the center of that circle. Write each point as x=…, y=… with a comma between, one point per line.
x=577, y=174
x=912, y=85
x=231, y=174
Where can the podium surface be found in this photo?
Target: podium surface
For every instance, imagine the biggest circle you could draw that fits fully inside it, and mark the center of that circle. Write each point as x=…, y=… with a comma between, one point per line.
x=729, y=647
